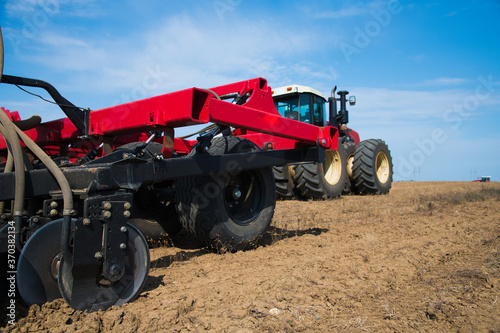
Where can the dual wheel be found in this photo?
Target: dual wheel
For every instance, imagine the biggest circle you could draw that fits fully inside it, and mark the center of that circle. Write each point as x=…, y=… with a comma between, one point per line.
x=362, y=169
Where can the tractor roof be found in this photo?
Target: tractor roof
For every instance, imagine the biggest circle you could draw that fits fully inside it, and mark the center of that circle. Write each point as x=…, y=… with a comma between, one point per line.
x=293, y=89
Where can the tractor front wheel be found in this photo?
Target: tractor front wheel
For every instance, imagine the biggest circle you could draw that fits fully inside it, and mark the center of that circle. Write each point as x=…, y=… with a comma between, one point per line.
x=323, y=180
x=372, y=167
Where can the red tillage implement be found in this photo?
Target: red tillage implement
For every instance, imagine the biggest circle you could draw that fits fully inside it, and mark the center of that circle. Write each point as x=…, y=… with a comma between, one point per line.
x=79, y=194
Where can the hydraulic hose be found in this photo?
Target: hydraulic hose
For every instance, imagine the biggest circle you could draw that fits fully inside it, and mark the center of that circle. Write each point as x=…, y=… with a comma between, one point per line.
x=29, y=123
x=11, y=138
x=63, y=184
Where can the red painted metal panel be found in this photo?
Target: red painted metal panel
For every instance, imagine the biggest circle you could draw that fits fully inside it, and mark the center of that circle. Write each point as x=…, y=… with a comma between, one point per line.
x=261, y=94
x=181, y=108
x=355, y=135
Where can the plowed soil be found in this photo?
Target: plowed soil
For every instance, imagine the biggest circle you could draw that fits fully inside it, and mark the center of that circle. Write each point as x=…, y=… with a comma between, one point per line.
x=425, y=257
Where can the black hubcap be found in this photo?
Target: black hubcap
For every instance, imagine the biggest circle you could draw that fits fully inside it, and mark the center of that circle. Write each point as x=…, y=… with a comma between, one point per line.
x=243, y=197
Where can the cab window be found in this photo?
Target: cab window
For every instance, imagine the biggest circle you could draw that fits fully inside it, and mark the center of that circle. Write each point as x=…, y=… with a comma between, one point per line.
x=318, y=110
x=305, y=108
x=288, y=107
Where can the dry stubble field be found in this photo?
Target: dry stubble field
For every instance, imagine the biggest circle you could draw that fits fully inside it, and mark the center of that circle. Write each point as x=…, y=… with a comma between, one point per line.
x=425, y=258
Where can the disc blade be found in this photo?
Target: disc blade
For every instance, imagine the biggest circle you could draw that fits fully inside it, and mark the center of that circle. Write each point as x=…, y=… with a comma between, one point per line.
x=98, y=294
x=37, y=265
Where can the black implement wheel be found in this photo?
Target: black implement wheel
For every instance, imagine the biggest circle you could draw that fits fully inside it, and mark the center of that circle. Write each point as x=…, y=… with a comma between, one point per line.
x=100, y=293
x=229, y=210
x=372, y=167
x=283, y=175
x=323, y=180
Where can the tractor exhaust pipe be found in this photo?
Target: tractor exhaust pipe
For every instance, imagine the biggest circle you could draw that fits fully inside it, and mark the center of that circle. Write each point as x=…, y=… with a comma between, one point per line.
x=343, y=116
x=332, y=108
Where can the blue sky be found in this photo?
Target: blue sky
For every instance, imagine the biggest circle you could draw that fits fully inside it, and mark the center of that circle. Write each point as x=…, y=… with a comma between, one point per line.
x=426, y=74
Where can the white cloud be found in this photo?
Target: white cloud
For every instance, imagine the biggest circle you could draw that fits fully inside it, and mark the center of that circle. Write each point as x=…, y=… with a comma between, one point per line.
x=386, y=106
x=341, y=13
x=15, y=7
x=353, y=10
x=187, y=52
x=445, y=81
x=60, y=41
x=71, y=8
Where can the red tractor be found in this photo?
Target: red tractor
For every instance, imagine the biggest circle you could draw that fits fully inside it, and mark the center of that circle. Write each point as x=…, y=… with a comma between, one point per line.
x=359, y=167
x=483, y=179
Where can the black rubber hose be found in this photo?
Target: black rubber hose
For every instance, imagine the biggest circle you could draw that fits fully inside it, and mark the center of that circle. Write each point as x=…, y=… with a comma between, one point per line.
x=29, y=123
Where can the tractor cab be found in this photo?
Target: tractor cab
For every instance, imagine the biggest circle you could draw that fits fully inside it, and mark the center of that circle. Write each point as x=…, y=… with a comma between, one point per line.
x=300, y=103
x=307, y=105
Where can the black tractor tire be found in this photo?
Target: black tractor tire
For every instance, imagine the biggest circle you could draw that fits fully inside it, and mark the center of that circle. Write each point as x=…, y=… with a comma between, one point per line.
x=372, y=167
x=229, y=210
x=350, y=148
x=323, y=180
x=283, y=176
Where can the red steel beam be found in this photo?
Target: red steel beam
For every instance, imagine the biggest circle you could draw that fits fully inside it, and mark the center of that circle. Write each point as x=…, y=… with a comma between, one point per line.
x=190, y=107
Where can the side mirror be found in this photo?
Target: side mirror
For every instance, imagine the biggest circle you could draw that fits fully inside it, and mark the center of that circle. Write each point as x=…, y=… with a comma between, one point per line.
x=352, y=100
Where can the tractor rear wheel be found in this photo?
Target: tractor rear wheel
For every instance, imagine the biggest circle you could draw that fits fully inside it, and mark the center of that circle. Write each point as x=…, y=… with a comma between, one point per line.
x=227, y=211
x=283, y=175
x=372, y=167
x=323, y=180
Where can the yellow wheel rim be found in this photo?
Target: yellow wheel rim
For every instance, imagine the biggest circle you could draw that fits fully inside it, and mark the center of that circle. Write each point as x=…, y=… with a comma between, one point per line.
x=382, y=167
x=350, y=161
x=291, y=170
x=332, y=168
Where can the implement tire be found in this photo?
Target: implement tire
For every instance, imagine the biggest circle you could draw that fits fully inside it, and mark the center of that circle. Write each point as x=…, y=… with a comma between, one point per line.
x=323, y=180
x=372, y=167
x=227, y=211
